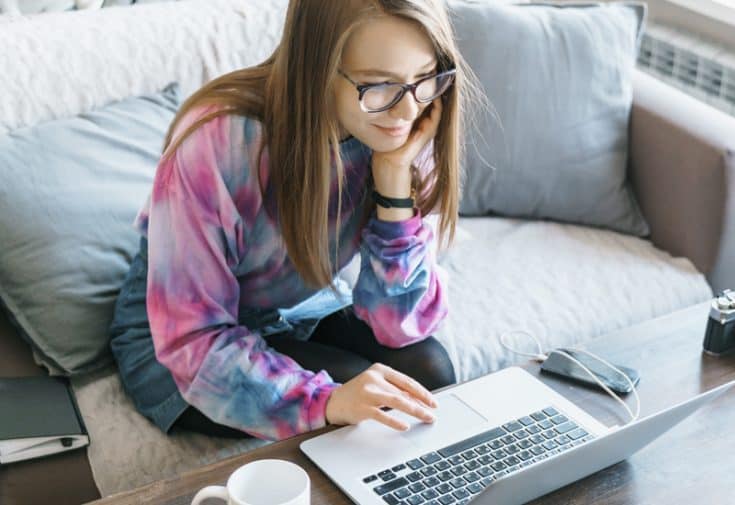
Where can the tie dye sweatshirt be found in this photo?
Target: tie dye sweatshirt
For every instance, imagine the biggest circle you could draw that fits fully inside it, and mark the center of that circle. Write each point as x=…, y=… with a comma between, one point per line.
x=214, y=251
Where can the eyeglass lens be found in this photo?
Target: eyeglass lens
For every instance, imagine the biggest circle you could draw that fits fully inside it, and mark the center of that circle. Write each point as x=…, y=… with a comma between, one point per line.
x=386, y=95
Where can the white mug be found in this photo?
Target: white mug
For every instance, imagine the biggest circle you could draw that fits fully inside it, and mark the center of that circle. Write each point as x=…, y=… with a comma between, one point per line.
x=262, y=482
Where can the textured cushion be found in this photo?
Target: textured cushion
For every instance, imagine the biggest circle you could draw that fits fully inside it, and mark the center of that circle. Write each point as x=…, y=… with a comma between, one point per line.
x=70, y=191
x=560, y=79
x=113, y=53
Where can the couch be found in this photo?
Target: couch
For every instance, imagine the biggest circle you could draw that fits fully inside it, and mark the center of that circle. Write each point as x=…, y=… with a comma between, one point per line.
x=563, y=282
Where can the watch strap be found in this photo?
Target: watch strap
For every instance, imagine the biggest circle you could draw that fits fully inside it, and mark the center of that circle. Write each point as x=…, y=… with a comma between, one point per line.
x=387, y=202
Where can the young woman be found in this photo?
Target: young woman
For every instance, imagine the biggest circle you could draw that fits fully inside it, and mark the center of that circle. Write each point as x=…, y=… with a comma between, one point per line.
x=232, y=320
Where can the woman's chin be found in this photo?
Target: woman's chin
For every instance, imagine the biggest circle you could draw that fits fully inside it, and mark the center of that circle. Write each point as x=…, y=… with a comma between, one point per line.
x=386, y=145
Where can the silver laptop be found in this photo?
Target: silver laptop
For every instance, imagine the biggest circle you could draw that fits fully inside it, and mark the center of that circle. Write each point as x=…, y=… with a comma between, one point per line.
x=505, y=438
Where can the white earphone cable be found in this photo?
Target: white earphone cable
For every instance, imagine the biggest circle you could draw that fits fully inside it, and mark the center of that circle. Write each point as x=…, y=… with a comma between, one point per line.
x=541, y=357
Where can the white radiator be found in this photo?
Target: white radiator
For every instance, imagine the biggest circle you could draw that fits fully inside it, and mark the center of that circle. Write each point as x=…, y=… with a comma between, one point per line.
x=696, y=66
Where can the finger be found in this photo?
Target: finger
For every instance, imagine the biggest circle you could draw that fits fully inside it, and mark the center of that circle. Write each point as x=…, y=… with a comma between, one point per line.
x=404, y=404
x=389, y=420
x=409, y=385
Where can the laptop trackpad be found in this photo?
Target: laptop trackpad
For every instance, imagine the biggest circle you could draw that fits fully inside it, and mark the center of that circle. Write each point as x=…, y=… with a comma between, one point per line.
x=453, y=416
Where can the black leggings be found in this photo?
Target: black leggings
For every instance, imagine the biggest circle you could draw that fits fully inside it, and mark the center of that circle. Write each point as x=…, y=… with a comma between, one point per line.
x=344, y=346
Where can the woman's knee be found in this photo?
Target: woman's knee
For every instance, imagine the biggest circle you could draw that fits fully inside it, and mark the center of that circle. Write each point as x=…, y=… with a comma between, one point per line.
x=426, y=361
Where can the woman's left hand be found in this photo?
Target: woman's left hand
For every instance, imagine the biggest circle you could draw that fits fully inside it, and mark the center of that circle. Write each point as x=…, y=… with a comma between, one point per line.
x=392, y=170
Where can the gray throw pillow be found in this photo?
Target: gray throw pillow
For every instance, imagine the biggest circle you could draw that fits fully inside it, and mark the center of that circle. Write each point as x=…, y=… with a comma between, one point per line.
x=70, y=191
x=559, y=78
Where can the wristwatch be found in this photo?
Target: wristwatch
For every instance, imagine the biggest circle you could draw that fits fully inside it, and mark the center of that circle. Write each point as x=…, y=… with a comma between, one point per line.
x=401, y=203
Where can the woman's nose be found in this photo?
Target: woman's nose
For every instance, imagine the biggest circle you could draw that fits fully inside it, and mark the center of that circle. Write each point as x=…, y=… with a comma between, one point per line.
x=406, y=108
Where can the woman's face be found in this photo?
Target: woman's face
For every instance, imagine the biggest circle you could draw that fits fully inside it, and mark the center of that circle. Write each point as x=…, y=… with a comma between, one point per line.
x=388, y=49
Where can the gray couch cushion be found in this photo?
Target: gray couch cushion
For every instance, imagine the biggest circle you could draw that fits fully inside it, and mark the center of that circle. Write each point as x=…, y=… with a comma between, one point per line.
x=70, y=191
x=560, y=79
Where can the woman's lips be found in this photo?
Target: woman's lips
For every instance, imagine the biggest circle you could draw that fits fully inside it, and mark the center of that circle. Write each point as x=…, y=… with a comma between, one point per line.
x=394, y=132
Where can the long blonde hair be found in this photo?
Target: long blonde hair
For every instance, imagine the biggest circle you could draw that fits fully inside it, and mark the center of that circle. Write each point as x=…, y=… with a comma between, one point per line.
x=291, y=95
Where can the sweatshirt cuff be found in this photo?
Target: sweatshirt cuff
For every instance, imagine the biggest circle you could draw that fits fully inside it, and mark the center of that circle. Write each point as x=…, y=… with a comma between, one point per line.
x=318, y=406
x=396, y=229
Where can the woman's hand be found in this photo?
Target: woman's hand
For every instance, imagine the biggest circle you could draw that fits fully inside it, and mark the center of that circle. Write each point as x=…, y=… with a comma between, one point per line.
x=379, y=386
x=392, y=170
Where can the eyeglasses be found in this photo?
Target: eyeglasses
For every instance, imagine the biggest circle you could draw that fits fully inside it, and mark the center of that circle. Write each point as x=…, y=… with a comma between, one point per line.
x=383, y=96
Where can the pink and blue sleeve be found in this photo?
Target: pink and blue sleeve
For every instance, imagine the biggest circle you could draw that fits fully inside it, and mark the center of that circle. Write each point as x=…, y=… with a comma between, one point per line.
x=196, y=236
x=400, y=293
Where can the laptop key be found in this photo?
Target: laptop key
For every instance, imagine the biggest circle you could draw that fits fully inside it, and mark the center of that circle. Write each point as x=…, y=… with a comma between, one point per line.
x=468, y=455
x=458, y=470
x=471, y=477
x=533, y=429
x=537, y=439
x=495, y=444
x=474, y=488
x=414, y=464
x=390, y=499
x=562, y=440
x=442, y=465
x=577, y=434
x=456, y=460
x=499, y=454
x=398, y=468
x=551, y=411
x=472, y=465
x=429, y=494
x=386, y=475
x=511, y=461
x=559, y=419
x=525, y=444
x=545, y=424
x=521, y=434
x=390, y=486
x=430, y=458
x=538, y=416
x=445, y=476
x=549, y=434
x=414, y=476
x=526, y=420
x=457, y=483
x=498, y=466
x=431, y=482
x=512, y=449
x=483, y=449
x=402, y=493
x=370, y=478
x=485, y=471
x=415, y=500
x=512, y=426
x=447, y=499
x=443, y=488
x=468, y=443
x=525, y=455
x=537, y=450
x=485, y=460
x=550, y=445
x=565, y=427
x=460, y=493
x=508, y=439
x=429, y=470
x=417, y=487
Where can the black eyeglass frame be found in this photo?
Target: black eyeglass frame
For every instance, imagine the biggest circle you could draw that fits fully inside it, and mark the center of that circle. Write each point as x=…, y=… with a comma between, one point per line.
x=364, y=88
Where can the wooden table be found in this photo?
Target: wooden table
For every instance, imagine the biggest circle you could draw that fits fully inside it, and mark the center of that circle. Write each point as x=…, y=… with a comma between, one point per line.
x=692, y=463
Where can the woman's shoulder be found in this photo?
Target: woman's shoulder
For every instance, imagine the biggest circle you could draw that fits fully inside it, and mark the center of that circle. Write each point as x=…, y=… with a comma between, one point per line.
x=219, y=129
x=226, y=141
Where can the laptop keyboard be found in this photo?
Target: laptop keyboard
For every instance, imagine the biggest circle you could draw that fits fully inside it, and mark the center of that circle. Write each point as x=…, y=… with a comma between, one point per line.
x=453, y=474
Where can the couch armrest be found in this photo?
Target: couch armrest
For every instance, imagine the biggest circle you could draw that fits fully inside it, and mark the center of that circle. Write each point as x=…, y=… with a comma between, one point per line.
x=682, y=167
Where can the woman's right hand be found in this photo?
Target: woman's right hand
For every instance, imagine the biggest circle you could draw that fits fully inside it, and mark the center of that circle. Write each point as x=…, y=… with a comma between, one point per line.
x=380, y=386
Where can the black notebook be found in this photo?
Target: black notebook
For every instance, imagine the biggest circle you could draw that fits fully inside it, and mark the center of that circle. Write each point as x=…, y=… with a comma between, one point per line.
x=38, y=416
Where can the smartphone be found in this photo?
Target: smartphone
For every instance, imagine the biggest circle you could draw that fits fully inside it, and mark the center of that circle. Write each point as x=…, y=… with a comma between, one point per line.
x=560, y=365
